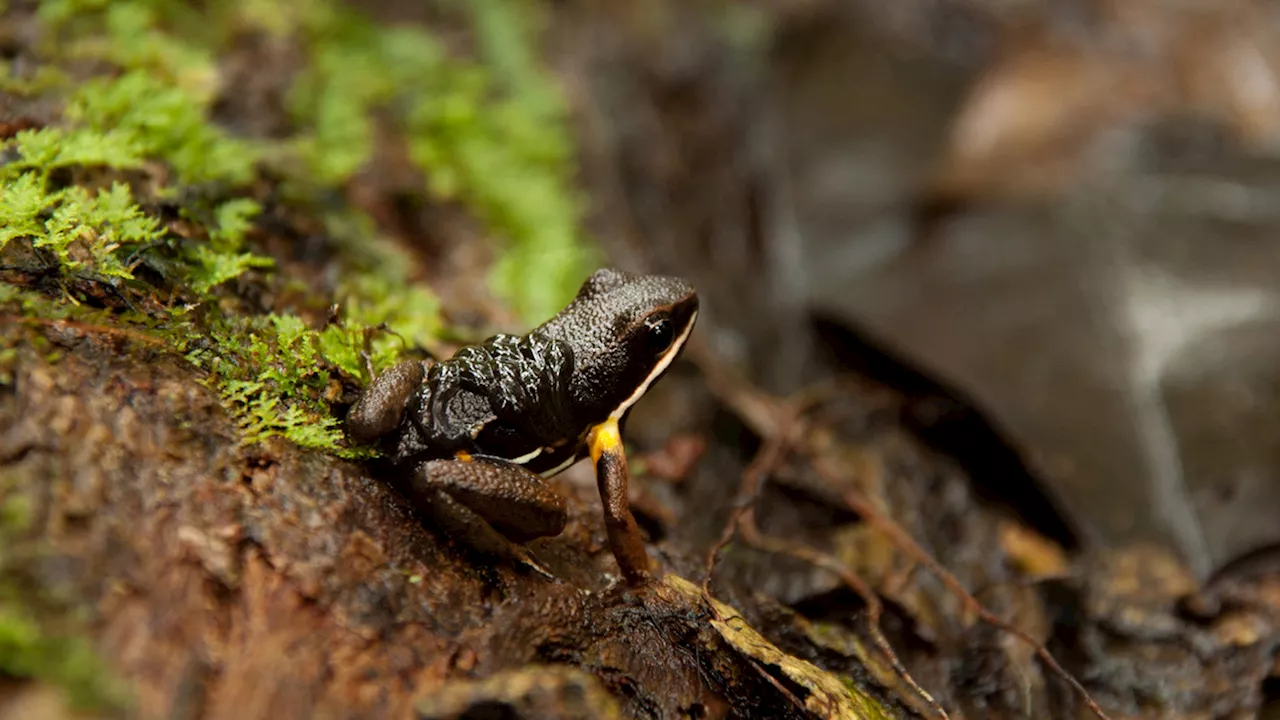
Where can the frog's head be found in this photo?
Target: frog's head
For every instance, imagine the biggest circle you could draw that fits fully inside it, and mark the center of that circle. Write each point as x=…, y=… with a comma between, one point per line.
x=625, y=331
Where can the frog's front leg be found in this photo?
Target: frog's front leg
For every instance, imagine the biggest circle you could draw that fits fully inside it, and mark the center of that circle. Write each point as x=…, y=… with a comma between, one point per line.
x=605, y=443
x=490, y=504
x=381, y=406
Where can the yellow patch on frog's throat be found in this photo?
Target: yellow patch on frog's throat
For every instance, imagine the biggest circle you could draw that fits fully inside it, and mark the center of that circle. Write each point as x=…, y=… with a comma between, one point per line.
x=657, y=370
x=604, y=437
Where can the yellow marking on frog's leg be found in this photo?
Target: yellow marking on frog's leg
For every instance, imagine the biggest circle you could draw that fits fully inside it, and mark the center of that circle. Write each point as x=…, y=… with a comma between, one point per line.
x=605, y=443
x=463, y=455
x=604, y=437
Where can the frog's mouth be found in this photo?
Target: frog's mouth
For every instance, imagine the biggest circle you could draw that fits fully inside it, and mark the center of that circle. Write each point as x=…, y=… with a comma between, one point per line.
x=657, y=370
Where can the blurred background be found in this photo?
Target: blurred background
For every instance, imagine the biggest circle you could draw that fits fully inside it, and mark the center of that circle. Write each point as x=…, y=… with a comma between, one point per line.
x=1041, y=237
x=1056, y=215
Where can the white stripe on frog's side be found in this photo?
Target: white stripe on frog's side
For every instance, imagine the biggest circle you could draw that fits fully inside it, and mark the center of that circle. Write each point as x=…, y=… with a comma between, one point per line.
x=527, y=456
x=657, y=370
x=557, y=469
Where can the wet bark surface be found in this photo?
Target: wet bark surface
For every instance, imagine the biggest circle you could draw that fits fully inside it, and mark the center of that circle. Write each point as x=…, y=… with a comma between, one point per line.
x=258, y=583
x=275, y=582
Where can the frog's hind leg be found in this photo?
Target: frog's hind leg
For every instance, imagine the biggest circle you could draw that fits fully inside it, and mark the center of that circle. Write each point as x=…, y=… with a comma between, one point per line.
x=490, y=504
x=515, y=501
x=458, y=521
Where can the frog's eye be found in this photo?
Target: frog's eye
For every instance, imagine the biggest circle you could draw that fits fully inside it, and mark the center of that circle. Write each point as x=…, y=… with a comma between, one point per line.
x=660, y=332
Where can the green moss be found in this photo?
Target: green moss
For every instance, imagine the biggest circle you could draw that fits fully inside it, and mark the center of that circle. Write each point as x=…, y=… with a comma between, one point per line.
x=376, y=293
x=44, y=79
x=40, y=637
x=273, y=371
x=491, y=134
x=517, y=165
x=487, y=131
x=132, y=35
x=40, y=152
x=8, y=362
x=31, y=649
x=15, y=513
x=164, y=122
x=223, y=257
x=85, y=231
x=120, y=123
x=97, y=234
x=351, y=73
x=270, y=373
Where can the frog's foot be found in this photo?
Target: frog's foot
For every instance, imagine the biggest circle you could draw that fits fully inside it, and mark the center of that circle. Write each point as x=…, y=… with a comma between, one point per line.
x=491, y=505
x=605, y=443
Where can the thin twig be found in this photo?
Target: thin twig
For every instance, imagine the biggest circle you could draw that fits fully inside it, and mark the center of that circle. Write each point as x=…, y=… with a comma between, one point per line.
x=779, y=425
x=752, y=536
x=766, y=460
x=861, y=505
x=87, y=328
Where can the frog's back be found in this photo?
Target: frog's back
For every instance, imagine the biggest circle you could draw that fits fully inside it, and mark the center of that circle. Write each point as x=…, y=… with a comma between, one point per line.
x=504, y=399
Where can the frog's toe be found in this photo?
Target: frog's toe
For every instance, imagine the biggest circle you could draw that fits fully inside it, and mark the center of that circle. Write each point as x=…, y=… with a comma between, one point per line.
x=537, y=567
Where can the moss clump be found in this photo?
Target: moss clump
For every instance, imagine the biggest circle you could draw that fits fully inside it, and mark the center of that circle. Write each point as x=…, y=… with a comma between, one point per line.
x=38, y=153
x=100, y=234
x=376, y=294
x=83, y=230
x=8, y=362
x=490, y=132
x=122, y=123
x=173, y=42
x=274, y=381
x=273, y=372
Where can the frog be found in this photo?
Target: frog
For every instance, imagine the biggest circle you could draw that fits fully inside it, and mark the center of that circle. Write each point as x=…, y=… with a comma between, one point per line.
x=473, y=439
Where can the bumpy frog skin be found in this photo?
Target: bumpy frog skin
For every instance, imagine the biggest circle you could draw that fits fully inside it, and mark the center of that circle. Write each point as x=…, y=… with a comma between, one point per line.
x=476, y=434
